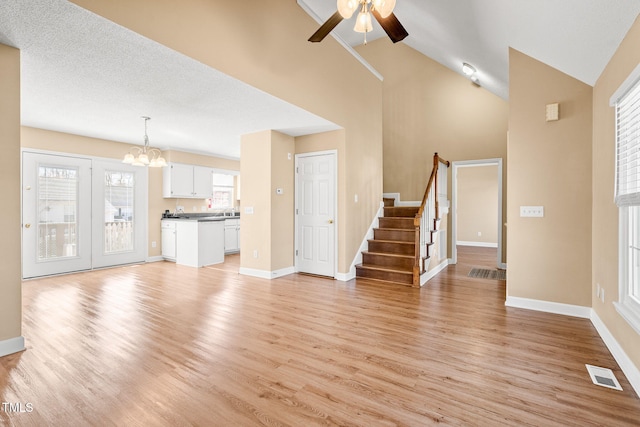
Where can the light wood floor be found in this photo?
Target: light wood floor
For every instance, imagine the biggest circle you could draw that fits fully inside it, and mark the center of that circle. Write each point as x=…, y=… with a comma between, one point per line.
x=161, y=344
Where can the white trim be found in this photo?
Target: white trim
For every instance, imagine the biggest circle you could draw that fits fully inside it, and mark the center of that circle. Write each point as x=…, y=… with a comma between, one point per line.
x=626, y=305
x=155, y=258
x=477, y=244
x=625, y=86
x=345, y=277
x=364, y=245
x=12, y=345
x=264, y=274
x=398, y=202
x=344, y=44
x=454, y=203
x=433, y=272
x=630, y=370
x=549, y=307
x=334, y=153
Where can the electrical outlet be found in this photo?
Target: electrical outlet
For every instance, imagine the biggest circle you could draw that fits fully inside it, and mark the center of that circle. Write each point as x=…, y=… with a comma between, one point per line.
x=479, y=233
x=602, y=294
x=153, y=244
x=598, y=290
x=255, y=253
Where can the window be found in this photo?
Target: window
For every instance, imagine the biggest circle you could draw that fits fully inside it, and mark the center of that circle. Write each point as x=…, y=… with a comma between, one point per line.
x=627, y=196
x=222, y=191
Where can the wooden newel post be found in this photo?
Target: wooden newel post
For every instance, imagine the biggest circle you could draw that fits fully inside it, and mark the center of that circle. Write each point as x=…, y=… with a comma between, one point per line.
x=436, y=165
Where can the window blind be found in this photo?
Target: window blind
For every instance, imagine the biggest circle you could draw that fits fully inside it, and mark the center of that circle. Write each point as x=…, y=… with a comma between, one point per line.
x=628, y=148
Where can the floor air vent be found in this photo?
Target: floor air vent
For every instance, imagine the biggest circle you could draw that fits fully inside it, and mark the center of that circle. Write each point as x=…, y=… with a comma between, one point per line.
x=603, y=377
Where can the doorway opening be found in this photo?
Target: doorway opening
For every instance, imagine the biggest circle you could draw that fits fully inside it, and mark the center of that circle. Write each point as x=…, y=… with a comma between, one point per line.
x=477, y=193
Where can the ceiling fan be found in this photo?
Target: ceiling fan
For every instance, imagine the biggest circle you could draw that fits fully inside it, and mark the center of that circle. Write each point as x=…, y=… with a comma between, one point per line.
x=382, y=10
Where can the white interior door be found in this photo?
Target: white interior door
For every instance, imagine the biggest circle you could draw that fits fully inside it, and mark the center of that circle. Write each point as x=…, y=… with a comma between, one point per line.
x=56, y=214
x=316, y=214
x=119, y=213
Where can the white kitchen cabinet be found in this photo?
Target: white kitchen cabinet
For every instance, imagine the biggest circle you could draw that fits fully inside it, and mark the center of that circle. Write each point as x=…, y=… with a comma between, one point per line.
x=200, y=243
x=187, y=181
x=169, y=240
x=231, y=235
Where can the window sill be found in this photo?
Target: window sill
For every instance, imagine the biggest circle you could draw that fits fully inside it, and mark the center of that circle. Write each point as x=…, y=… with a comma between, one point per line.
x=629, y=314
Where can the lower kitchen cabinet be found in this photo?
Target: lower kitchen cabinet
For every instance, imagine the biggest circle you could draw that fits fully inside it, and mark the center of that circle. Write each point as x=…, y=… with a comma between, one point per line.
x=231, y=235
x=200, y=243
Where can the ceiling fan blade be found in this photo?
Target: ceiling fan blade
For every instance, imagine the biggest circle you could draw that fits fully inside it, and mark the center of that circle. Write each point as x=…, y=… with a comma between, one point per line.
x=391, y=26
x=326, y=28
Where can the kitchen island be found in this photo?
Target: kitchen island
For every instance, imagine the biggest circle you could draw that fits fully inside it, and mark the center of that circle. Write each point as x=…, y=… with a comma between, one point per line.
x=199, y=239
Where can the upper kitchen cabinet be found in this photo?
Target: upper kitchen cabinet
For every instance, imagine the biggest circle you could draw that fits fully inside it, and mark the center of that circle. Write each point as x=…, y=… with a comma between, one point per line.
x=187, y=181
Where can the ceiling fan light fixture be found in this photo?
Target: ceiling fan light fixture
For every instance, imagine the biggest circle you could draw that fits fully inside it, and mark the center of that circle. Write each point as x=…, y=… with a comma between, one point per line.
x=468, y=69
x=363, y=23
x=347, y=7
x=384, y=7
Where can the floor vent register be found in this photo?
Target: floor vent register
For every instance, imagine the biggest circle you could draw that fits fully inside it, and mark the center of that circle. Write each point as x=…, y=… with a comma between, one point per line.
x=603, y=377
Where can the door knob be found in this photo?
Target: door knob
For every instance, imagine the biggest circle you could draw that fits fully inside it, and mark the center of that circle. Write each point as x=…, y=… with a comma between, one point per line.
x=330, y=221
x=27, y=225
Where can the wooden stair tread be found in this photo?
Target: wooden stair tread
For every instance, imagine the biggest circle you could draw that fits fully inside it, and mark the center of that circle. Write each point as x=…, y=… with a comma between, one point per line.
x=383, y=268
x=386, y=282
x=389, y=254
x=392, y=241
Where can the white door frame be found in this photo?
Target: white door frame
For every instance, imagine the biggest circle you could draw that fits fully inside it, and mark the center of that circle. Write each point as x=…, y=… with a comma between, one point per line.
x=92, y=159
x=334, y=153
x=31, y=266
x=454, y=203
x=141, y=200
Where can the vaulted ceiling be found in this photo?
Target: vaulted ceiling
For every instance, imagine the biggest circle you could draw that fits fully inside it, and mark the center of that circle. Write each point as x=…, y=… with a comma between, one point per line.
x=67, y=87
x=577, y=37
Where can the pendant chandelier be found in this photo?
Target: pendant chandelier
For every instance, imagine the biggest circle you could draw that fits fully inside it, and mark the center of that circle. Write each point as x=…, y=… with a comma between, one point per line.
x=145, y=156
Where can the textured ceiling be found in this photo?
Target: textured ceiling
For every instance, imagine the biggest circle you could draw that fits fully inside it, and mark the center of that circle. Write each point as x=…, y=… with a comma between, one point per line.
x=85, y=75
x=577, y=37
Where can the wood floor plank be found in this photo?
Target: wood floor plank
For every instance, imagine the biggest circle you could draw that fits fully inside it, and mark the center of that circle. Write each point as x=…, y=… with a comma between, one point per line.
x=166, y=345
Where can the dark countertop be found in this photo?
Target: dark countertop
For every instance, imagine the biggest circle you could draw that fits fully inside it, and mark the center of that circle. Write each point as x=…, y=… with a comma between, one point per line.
x=202, y=217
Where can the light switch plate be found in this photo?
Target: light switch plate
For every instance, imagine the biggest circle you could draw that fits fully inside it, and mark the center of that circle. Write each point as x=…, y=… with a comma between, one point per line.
x=248, y=210
x=532, y=211
x=552, y=112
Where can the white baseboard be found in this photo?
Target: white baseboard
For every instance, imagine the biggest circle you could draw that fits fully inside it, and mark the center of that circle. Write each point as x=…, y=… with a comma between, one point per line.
x=630, y=370
x=155, y=258
x=477, y=244
x=364, y=245
x=264, y=274
x=549, y=307
x=12, y=345
x=432, y=273
x=345, y=277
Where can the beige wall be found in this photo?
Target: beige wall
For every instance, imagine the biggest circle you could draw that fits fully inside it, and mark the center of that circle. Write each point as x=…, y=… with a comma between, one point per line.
x=10, y=267
x=477, y=204
x=255, y=236
x=75, y=144
x=270, y=229
x=429, y=108
x=605, y=212
x=549, y=165
x=322, y=78
x=282, y=205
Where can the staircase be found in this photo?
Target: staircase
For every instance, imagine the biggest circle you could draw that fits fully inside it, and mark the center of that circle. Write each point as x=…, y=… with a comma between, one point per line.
x=402, y=245
x=391, y=253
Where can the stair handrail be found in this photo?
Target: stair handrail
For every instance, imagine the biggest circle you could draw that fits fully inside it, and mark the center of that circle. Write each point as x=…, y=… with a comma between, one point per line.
x=421, y=219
